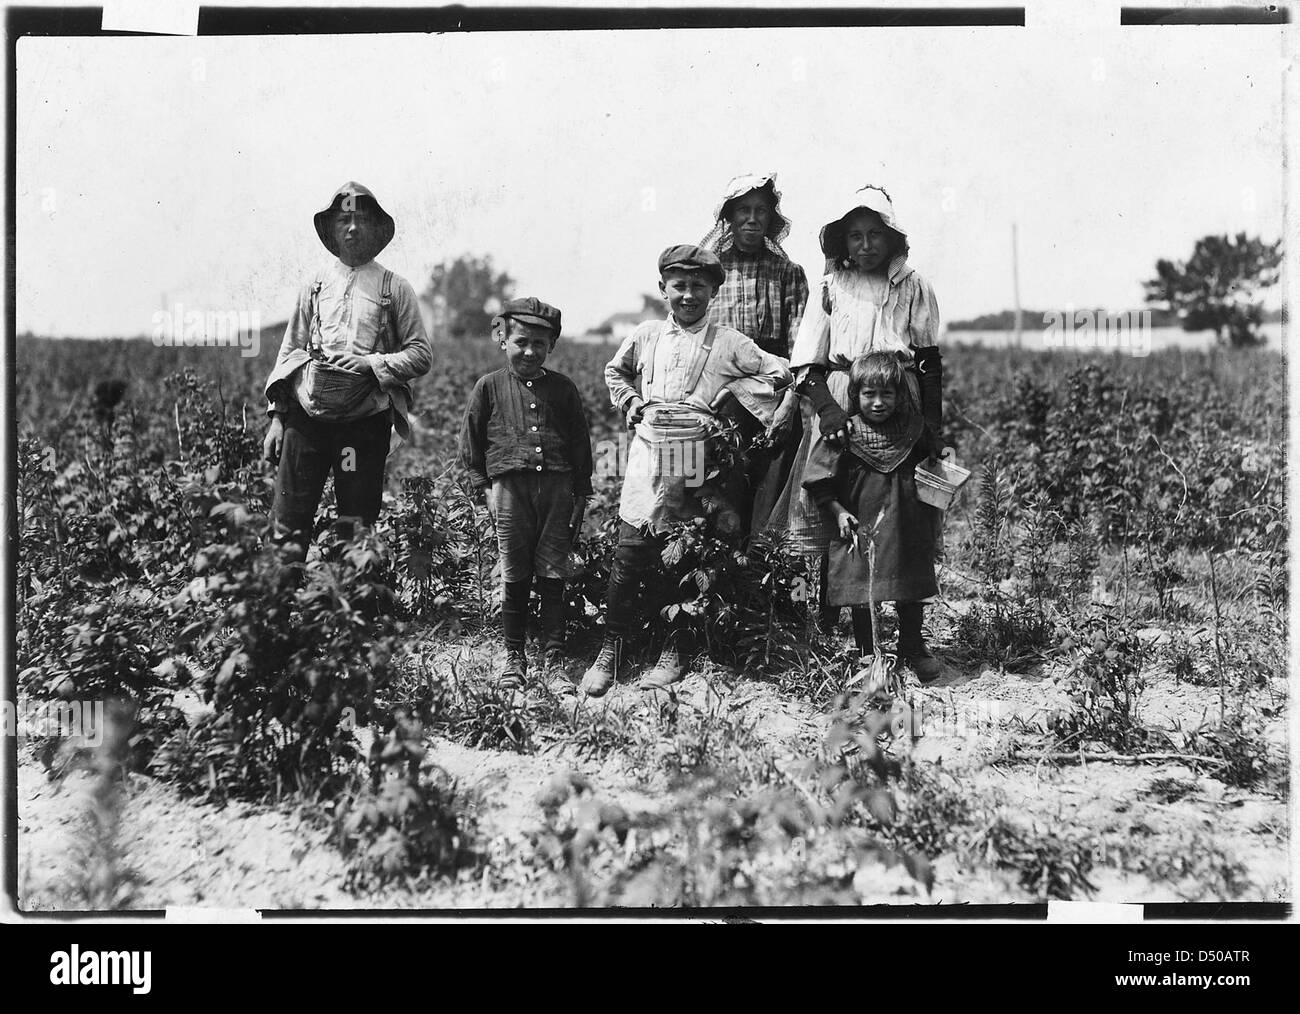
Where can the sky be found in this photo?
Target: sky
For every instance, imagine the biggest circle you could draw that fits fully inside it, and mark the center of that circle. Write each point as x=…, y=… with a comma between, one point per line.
x=157, y=171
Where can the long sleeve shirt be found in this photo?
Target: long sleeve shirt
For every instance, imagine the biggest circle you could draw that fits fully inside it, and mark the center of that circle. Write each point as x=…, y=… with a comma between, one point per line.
x=350, y=317
x=735, y=362
x=763, y=297
x=514, y=425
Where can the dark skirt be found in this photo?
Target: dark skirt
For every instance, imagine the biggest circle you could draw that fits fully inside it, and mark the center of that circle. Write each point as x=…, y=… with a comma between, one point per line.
x=772, y=470
x=755, y=494
x=904, y=539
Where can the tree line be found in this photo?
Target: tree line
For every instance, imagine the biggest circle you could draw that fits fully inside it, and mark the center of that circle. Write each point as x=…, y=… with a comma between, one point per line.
x=1217, y=288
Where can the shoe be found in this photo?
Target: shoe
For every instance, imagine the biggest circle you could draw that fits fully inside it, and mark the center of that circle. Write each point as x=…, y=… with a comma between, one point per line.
x=556, y=672
x=667, y=671
x=921, y=661
x=911, y=643
x=604, y=670
x=514, y=671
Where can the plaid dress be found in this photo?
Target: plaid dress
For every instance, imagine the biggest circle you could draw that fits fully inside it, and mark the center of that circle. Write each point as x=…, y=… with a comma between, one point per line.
x=763, y=298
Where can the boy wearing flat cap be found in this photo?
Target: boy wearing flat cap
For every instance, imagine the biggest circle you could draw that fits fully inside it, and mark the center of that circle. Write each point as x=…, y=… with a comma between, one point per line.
x=669, y=379
x=342, y=379
x=526, y=445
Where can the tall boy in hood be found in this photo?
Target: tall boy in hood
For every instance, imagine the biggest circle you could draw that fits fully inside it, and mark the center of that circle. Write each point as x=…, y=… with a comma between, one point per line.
x=342, y=379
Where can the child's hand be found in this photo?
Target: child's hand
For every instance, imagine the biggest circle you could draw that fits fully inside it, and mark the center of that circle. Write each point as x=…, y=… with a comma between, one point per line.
x=834, y=425
x=784, y=418
x=634, y=413
x=847, y=523
x=274, y=440
x=720, y=400
x=490, y=494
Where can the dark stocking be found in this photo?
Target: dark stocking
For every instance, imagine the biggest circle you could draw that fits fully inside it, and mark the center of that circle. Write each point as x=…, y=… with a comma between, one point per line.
x=862, y=629
x=552, y=589
x=514, y=612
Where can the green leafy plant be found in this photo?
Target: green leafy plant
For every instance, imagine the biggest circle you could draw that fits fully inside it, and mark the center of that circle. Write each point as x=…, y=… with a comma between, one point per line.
x=1048, y=865
x=411, y=820
x=311, y=645
x=1105, y=682
x=1237, y=741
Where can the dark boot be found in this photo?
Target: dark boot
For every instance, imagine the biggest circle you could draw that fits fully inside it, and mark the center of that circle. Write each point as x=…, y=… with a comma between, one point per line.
x=668, y=670
x=597, y=680
x=912, y=648
x=555, y=669
x=514, y=624
x=828, y=617
x=514, y=670
x=554, y=662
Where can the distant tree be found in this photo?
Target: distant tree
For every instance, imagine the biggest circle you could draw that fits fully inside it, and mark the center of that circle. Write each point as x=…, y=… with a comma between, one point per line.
x=465, y=294
x=1216, y=289
x=1005, y=320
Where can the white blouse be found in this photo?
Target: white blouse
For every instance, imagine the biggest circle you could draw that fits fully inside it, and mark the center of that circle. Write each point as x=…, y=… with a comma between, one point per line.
x=866, y=315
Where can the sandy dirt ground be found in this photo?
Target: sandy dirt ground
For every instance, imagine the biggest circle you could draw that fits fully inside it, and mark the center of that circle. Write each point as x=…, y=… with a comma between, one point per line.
x=1212, y=842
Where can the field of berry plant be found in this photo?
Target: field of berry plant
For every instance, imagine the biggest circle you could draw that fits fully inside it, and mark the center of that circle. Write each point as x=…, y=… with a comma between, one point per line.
x=328, y=735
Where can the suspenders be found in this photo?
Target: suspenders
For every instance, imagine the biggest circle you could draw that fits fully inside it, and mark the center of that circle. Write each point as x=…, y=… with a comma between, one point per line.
x=386, y=326
x=387, y=318
x=648, y=357
x=697, y=366
x=315, y=347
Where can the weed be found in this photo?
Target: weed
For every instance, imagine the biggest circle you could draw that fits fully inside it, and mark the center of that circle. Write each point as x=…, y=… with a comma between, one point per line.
x=1048, y=865
x=406, y=828
x=1009, y=629
x=594, y=735
x=932, y=812
x=708, y=846
x=483, y=717
x=1010, y=637
x=1168, y=790
x=102, y=878
x=1239, y=742
x=1105, y=683
x=990, y=551
x=1193, y=864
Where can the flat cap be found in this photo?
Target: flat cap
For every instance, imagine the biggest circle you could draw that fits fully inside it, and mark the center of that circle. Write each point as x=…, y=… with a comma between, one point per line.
x=533, y=311
x=687, y=257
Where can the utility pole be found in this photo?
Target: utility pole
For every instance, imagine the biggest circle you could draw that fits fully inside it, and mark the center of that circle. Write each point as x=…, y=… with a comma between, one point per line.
x=1015, y=282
